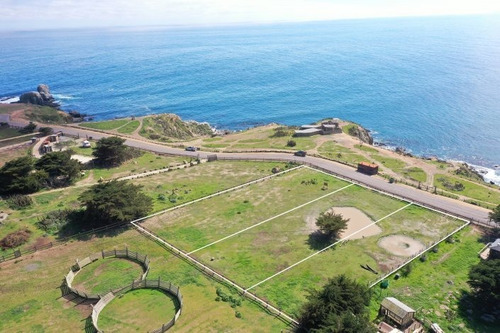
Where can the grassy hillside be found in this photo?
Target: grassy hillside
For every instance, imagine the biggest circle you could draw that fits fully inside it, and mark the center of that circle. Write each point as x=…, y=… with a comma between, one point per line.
x=170, y=127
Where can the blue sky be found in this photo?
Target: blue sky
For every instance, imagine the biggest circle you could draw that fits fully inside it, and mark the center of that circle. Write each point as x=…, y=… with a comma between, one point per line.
x=50, y=14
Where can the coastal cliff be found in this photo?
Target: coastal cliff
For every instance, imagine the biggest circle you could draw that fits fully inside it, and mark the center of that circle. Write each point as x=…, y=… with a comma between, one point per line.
x=360, y=133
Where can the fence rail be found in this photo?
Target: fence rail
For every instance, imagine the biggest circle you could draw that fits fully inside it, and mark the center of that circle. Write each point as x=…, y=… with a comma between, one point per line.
x=75, y=269
x=142, y=284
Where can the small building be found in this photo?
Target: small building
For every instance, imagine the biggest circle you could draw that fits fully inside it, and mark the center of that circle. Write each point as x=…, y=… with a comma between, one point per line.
x=399, y=314
x=494, y=250
x=326, y=127
x=368, y=168
x=54, y=138
x=307, y=132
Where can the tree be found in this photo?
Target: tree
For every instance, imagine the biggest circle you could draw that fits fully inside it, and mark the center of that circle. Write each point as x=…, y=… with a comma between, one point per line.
x=30, y=128
x=495, y=214
x=44, y=131
x=110, y=151
x=60, y=167
x=114, y=201
x=341, y=306
x=484, y=279
x=17, y=176
x=331, y=224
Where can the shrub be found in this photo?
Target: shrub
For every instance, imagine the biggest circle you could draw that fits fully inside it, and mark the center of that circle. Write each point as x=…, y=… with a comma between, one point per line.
x=291, y=143
x=237, y=314
x=19, y=201
x=55, y=220
x=423, y=258
x=15, y=239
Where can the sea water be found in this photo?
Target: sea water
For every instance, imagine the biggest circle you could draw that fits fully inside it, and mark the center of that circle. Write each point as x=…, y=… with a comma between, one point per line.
x=431, y=85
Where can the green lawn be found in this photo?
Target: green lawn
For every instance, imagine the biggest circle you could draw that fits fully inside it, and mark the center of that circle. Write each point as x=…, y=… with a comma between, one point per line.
x=7, y=132
x=103, y=275
x=196, y=225
x=138, y=310
x=435, y=287
x=366, y=148
x=130, y=127
x=415, y=173
x=393, y=164
x=106, y=125
x=337, y=152
x=471, y=190
x=258, y=253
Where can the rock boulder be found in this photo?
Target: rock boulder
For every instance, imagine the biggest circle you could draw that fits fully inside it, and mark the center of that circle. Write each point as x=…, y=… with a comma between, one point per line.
x=40, y=97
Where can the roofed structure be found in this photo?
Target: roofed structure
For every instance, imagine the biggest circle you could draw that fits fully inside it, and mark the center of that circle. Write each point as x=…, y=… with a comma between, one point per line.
x=495, y=249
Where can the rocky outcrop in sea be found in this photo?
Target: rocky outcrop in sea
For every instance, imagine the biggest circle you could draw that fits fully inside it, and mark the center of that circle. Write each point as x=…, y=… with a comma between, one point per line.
x=41, y=97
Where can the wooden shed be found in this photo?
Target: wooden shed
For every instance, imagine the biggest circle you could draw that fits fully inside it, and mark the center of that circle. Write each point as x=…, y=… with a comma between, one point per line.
x=368, y=168
x=398, y=312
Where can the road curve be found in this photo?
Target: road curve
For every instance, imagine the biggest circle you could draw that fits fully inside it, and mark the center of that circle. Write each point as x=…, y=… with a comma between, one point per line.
x=447, y=205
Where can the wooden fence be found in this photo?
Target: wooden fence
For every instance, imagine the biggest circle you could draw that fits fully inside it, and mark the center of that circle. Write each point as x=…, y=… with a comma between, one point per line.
x=68, y=278
x=142, y=284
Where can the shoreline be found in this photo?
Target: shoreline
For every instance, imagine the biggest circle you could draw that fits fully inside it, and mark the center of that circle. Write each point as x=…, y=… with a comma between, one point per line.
x=489, y=173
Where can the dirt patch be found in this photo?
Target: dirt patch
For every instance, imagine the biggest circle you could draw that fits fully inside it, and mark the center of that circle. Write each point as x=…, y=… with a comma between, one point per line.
x=32, y=267
x=401, y=245
x=82, y=158
x=3, y=216
x=357, y=221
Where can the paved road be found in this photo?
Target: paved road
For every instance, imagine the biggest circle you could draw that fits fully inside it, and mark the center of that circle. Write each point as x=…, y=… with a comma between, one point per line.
x=455, y=207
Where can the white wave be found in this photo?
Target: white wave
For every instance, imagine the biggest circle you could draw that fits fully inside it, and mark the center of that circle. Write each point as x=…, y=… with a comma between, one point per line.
x=489, y=175
x=64, y=97
x=9, y=100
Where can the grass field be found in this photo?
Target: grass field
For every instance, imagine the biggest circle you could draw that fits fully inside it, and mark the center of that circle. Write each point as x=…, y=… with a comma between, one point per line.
x=106, y=125
x=130, y=127
x=436, y=287
x=103, y=275
x=471, y=190
x=250, y=234
x=167, y=189
x=340, y=153
x=7, y=132
x=31, y=299
x=141, y=310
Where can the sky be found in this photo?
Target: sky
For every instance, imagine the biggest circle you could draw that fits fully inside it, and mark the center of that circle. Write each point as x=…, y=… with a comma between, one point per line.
x=56, y=14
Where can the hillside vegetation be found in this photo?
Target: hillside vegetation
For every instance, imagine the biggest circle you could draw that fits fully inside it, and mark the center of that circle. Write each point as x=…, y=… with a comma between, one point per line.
x=170, y=127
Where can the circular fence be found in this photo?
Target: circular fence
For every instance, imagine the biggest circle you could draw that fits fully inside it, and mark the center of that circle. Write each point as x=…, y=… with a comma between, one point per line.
x=143, y=260
x=141, y=283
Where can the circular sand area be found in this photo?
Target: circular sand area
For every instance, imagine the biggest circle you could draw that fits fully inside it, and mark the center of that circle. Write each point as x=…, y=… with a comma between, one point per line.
x=357, y=221
x=401, y=245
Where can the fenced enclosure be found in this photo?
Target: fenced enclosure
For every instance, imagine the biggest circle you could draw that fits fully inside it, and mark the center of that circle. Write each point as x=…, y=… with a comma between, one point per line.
x=143, y=260
x=142, y=284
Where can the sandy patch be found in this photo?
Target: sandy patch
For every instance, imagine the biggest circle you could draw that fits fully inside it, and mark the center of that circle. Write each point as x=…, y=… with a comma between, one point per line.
x=357, y=221
x=81, y=158
x=401, y=245
x=3, y=216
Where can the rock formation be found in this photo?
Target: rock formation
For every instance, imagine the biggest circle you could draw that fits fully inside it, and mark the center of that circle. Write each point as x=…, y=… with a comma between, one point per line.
x=362, y=134
x=40, y=97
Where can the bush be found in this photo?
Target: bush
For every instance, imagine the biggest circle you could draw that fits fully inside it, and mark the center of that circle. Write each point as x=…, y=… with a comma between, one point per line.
x=423, y=258
x=44, y=131
x=291, y=143
x=19, y=201
x=55, y=220
x=15, y=239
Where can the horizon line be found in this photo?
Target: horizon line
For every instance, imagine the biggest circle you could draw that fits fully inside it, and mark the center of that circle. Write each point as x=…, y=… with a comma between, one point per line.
x=243, y=23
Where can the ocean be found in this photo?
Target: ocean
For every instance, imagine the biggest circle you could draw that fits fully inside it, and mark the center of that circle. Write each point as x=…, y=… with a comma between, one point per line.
x=431, y=85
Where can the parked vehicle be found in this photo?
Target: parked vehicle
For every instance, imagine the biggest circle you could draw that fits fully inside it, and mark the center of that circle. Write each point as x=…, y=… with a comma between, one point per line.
x=300, y=153
x=191, y=148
